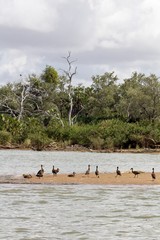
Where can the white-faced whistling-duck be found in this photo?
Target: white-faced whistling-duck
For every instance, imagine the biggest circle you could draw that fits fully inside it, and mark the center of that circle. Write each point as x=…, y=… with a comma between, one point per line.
x=97, y=172
x=40, y=172
x=153, y=174
x=136, y=173
x=72, y=175
x=55, y=170
x=27, y=175
x=118, y=172
x=88, y=170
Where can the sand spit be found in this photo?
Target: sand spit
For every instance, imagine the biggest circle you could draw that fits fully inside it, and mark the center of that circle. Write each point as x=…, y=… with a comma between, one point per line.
x=127, y=178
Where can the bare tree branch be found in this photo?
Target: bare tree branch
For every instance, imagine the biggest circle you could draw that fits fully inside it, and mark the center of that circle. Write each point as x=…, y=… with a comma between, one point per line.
x=70, y=74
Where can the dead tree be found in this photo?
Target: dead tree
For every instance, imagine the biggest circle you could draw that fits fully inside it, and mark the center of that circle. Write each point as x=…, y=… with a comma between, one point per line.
x=69, y=74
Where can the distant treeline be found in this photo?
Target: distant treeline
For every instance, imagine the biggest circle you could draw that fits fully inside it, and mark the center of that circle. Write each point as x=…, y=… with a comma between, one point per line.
x=39, y=111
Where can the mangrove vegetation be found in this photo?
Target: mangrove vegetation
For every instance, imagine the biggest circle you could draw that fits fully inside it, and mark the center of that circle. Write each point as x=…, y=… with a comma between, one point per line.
x=48, y=110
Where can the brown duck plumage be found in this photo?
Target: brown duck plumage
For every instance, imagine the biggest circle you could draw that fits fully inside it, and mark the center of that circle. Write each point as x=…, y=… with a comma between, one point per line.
x=153, y=174
x=136, y=173
x=88, y=170
x=40, y=172
x=27, y=175
x=55, y=170
x=97, y=172
x=72, y=175
x=118, y=172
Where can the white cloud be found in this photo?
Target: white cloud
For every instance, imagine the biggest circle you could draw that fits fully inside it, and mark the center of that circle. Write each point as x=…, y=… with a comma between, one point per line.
x=12, y=61
x=126, y=23
x=103, y=35
x=34, y=15
x=15, y=62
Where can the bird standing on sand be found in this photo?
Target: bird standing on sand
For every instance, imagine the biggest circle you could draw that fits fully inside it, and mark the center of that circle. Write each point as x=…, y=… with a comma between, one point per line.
x=88, y=170
x=97, y=172
x=136, y=173
x=153, y=174
x=118, y=172
x=55, y=171
x=72, y=175
x=40, y=172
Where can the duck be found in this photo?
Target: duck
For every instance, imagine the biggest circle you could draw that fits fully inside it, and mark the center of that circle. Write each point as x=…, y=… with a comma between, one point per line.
x=72, y=175
x=88, y=170
x=55, y=171
x=27, y=175
x=153, y=174
x=40, y=172
x=118, y=172
x=136, y=173
x=97, y=172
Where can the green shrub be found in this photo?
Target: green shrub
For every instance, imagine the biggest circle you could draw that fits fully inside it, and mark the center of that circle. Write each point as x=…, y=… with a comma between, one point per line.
x=97, y=142
x=5, y=137
x=83, y=135
x=39, y=141
x=27, y=143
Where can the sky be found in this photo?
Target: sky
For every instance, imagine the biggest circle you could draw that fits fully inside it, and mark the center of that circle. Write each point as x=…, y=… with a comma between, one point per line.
x=102, y=36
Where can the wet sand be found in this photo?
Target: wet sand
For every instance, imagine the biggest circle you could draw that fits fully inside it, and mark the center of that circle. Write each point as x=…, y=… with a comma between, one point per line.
x=127, y=178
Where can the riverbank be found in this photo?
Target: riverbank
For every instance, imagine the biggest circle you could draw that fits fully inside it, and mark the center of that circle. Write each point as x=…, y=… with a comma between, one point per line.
x=78, y=148
x=127, y=178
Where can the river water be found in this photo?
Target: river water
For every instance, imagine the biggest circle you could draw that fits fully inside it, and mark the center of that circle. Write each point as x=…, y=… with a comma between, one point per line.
x=36, y=212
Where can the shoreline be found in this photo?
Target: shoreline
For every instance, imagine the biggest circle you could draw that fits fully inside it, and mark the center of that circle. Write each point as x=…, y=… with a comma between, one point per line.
x=77, y=148
x=127, y=178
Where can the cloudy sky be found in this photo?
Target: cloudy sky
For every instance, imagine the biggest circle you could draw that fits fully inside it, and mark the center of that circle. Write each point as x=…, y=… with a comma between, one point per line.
x=102, y=35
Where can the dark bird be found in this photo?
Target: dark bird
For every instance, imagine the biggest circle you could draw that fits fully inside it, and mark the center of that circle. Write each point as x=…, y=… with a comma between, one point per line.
x=153, y=174
x=40, y=172
x=72, y=175
x=27, y=175
x=55, y=170
x=88, y=170
x=118, y=172
x=97, y=172
x=136, y=173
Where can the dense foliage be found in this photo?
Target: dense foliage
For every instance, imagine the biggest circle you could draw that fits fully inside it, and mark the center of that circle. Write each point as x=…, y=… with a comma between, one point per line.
x=48, y=110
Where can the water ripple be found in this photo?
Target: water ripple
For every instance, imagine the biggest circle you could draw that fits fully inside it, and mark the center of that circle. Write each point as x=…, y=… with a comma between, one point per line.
x=86, y=212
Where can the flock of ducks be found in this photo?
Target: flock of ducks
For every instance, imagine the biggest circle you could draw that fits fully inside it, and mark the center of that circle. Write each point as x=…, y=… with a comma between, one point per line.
x=40, y=173
x=136, y=173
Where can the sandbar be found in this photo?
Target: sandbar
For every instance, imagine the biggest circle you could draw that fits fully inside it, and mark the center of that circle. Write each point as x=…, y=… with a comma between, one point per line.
x=127, y=178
